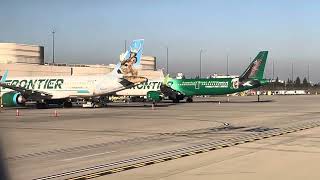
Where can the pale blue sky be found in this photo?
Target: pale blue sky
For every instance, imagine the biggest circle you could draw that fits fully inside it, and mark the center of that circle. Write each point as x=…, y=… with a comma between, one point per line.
x=94, y=32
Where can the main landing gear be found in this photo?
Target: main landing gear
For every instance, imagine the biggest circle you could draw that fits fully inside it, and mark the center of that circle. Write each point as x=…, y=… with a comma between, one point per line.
x=175, y=100
x=67, y=104
x=189, y=100
x=41, y=105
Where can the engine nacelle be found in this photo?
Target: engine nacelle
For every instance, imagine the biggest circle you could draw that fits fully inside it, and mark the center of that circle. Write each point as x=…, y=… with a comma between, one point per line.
x=11, y=99
x=154, y=96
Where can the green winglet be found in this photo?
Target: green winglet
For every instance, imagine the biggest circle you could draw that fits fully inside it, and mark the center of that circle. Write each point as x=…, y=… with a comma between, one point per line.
x=166, y=80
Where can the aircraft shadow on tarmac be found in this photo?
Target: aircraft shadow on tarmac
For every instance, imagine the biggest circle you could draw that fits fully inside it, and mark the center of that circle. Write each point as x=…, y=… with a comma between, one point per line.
x=112, y=105
x=3, y=167
x=232, y=102
x=243, y=128
x=149, y=105
x=223, y=130
x=260, y=129
x=140, y=105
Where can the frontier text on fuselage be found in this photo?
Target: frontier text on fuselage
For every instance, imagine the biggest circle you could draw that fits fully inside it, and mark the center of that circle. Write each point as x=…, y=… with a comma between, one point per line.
x=37, y=83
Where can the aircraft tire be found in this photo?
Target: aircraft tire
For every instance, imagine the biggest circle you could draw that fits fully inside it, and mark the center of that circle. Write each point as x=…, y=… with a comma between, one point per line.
x=67, y=104
x=189, y=100
x=41, y=105
x=176, y=100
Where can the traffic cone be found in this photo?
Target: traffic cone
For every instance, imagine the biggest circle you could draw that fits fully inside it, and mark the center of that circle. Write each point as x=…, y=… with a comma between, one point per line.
x=219, y=102
x=55, y=113
x=17, y=113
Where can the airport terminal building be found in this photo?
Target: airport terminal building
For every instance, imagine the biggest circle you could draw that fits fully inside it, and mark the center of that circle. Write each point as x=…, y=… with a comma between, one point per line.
x=21, y=53
x=28, y=60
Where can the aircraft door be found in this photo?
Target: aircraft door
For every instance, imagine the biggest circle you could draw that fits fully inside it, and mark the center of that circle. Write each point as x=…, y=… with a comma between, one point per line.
x=197, y=85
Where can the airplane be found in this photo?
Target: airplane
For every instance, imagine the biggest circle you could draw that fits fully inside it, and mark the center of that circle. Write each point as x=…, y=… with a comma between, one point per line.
x=45, y=90
x=178, y=89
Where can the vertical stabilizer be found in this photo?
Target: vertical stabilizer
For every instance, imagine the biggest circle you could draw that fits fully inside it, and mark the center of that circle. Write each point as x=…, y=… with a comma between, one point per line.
x=130, y=60
x=256, y=69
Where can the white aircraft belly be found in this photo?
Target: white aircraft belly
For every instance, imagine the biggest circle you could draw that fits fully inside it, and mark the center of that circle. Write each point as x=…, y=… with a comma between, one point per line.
x=108, y=87
x=133, y=92
x=141, y=89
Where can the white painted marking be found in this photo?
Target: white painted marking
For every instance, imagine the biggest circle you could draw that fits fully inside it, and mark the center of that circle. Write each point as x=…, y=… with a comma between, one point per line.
x=81, y=157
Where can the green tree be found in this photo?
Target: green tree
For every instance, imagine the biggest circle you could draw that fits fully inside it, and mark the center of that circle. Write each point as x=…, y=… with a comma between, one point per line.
x=305, y=82
x=297, y=82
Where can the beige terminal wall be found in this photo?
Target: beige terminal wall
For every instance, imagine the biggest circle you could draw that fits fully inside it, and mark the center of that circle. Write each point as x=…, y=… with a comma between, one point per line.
x=16, y=70
x=46, y=70
x=148, y=63
x=27, y=60
x=21, y=53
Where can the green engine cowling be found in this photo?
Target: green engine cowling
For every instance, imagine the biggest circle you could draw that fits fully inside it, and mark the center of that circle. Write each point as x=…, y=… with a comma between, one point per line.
x=154, y=96
x=12, y=99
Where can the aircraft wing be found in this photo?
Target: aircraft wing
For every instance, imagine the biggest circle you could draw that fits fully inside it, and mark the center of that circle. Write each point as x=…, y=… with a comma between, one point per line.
x=169, y=92
x=129, y=81
x=166, y=89
x=126, y=82
x=28, y=93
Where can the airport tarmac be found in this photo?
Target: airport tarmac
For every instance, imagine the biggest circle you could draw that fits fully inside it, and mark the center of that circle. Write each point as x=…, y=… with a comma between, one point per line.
x=294, y=156
x=38, y=144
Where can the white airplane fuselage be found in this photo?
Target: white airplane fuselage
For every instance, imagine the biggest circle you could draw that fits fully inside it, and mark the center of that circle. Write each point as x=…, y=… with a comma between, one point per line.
x=142, y=89
x=69, y=86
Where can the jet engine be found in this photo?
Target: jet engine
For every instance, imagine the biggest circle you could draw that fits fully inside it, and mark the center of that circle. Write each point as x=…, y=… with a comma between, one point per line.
x=11, y=99
x=154, y=96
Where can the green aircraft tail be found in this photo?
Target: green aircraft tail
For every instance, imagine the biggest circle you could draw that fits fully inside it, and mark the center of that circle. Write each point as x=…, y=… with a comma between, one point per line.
x=256, y=69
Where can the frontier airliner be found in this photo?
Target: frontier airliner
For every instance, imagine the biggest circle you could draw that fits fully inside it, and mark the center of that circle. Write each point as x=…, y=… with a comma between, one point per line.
x=61, y=90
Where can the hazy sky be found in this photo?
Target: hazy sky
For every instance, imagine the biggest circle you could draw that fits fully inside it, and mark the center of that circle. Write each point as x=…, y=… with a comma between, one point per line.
x=94, y=32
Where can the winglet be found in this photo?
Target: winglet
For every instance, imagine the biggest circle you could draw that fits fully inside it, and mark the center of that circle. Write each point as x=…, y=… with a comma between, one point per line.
x=4, y=77
x=166, y=80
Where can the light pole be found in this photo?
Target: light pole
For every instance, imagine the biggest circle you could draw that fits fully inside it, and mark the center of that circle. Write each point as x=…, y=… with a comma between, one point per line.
x=292, y=73
x=273, y=81
x=227, y=64
x=308, y=73
x=273, y=70
x=200, y=62
x=53, y=46
x=167, y=60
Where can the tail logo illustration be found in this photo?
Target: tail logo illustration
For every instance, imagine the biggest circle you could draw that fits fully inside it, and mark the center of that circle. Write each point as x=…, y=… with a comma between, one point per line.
x=235, y=83
x=255, y=67
x=127, y=65
x=130, y=60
